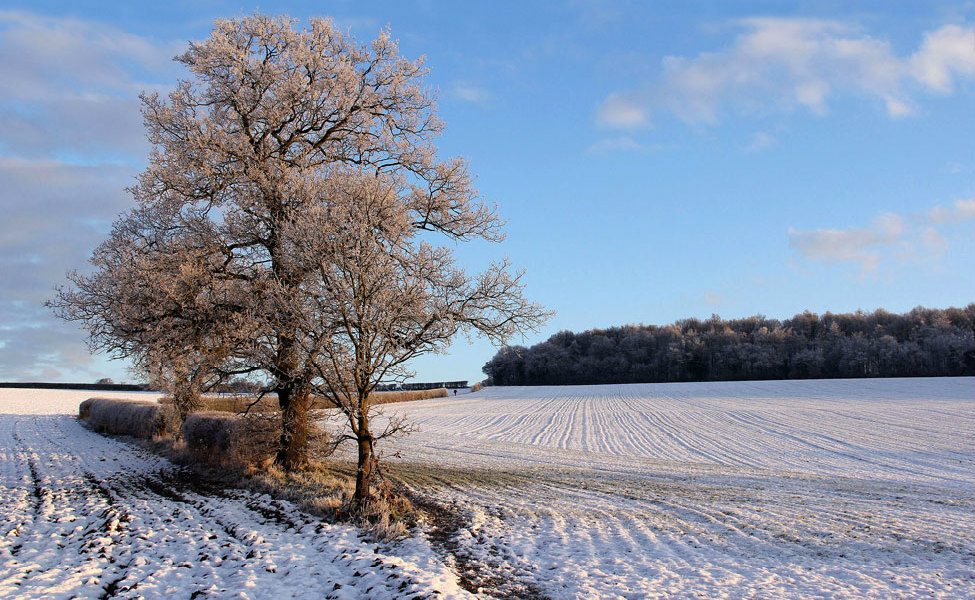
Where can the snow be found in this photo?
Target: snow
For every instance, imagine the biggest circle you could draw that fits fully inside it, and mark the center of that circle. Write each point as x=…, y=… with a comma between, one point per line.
x=85, y=516
x=785, y=489
x=790, y=489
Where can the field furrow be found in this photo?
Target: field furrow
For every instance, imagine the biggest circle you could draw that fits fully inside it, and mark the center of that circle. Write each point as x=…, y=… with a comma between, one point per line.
x=804, y=489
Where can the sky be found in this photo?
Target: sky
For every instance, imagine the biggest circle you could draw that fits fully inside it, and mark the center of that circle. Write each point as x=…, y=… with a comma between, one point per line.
x=653, y=161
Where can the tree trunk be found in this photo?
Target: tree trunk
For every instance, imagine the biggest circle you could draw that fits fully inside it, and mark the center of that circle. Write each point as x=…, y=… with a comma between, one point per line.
x=293, y=450
x=363, y=472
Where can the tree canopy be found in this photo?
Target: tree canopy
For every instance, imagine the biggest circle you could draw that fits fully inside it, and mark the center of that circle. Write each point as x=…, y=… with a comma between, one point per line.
x=277, y=228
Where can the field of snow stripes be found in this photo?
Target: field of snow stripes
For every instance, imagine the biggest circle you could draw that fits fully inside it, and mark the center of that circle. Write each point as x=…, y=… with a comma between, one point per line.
x=787, y=489
x=792, y=489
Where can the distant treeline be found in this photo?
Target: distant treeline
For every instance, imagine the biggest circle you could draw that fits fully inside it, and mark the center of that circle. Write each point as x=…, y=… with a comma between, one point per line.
x=923, y=342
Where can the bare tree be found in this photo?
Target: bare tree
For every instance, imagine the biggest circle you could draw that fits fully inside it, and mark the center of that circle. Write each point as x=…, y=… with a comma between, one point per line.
x=277, y=138
x=380, y=296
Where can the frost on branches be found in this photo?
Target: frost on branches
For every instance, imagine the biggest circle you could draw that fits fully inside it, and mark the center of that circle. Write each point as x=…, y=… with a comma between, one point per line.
x=287, y=225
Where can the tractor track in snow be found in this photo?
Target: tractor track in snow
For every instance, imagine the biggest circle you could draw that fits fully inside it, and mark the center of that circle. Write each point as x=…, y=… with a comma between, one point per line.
x=89, y=516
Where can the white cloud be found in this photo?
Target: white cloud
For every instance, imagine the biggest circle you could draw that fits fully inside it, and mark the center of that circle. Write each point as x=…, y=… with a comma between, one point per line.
x=622, y=113
x=857, y=245
x=961, y=210
x=946, y=52
x=71, y=137
x=898, y=108
x=54, y=214
x=965, y=209
x=72, y=86
x=713, y=298
x=760, y=141
x=934, y=242
x=889, y=238
x=781, y=64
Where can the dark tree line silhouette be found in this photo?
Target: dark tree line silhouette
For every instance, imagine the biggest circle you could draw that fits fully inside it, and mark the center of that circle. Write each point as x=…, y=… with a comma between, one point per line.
x=922, y=342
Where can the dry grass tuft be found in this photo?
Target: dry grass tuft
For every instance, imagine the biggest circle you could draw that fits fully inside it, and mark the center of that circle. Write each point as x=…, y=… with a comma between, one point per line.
x=327, y=487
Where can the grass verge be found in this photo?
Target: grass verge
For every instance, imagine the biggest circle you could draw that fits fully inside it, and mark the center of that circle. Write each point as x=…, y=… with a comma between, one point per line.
x=240, y=404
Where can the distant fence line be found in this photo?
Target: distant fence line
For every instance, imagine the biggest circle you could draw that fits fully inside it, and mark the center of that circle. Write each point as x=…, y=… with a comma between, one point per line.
x=450, y=385
x=142, y=387
x=102, y=387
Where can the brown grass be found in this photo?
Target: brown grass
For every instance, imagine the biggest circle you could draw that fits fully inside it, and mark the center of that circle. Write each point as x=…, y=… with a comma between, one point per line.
x=327, y=487
x=239, y=404
x=407, y=396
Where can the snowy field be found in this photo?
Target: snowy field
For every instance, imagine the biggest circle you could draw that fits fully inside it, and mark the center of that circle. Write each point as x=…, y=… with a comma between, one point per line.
x=788, y=489
x=814, y=489
x=85, y=516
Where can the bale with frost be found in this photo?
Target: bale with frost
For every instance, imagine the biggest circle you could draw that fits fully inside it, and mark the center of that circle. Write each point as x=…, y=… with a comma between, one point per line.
x=219, y=436
x=209, y=433
x=138, y=418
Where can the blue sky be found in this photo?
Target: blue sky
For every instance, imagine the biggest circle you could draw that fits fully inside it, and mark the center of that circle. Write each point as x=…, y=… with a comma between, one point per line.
x=654, y=162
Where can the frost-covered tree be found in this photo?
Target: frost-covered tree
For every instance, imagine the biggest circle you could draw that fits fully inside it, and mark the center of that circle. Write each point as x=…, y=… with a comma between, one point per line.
x=293, y=175
x=927, y=342
x=380, y=295
x=155, y=298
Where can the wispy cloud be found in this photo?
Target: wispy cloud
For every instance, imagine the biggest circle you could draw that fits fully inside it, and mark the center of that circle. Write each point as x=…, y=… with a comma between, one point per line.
x=72, y=139
x=890, y=237
x=961, y=210
x=760, y=141
x=54, y=214
x=857, y=245
x=471, y=93
x=780, y=64
x=72, y=86
x=623, y=142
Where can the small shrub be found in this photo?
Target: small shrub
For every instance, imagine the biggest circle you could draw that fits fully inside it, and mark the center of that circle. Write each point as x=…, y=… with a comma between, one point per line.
x=255, y=438
x=138, y=418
